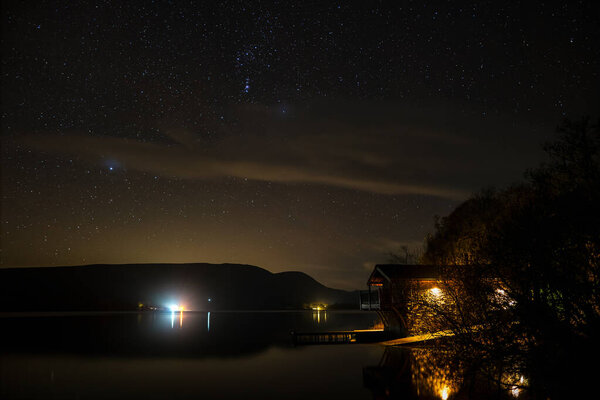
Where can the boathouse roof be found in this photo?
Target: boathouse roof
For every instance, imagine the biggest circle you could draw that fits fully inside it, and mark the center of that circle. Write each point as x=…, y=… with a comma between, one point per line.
x=395, y=272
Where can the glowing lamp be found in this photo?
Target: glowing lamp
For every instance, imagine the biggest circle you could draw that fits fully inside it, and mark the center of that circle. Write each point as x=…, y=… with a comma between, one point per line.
x=445, y=392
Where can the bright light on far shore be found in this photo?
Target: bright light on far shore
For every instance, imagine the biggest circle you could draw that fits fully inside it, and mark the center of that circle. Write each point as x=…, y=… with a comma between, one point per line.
x=176, y=307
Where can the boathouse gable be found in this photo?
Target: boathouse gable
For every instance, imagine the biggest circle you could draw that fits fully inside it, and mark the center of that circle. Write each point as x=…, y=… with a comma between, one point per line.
x=393, y=272
x=390, y=288
x=388, y=283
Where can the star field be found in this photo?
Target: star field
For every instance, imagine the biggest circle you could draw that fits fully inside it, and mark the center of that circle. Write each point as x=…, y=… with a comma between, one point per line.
x=317, y=136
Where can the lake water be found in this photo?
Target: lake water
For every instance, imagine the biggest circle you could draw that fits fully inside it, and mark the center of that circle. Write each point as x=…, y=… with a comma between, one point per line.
x=218, y=355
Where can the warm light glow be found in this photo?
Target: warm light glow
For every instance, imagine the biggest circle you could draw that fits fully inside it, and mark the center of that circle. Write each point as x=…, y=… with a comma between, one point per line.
x=176, y=307
x=516, y=390
x=514, y=384
x=437, y=292
x=504, y=299
x=377, y=326
x=444, y=393
x=432, y=376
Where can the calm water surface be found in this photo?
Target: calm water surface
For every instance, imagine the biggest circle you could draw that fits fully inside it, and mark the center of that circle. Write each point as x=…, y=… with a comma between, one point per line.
x=218, y=355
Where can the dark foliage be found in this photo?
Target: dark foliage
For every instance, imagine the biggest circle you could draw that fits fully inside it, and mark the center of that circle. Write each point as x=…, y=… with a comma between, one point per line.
x=524, y=277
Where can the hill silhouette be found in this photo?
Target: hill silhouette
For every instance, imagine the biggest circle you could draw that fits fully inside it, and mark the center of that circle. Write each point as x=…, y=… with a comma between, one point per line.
x=196, y=286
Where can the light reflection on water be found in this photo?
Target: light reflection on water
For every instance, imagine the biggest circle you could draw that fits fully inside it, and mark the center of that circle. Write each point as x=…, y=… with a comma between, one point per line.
x=224, y=355
x=433, y=373
x=317, y=314
x=181, y=354
x=432, y=376
x=173, y=314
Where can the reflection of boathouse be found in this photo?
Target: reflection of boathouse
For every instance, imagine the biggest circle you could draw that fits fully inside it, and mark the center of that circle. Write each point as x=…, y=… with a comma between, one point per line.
x=390, y=286
x=411, y=373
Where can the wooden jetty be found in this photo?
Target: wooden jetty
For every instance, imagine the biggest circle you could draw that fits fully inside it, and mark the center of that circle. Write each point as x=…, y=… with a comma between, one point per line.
x=363, y=336
x=417, y=338
x=339, y=337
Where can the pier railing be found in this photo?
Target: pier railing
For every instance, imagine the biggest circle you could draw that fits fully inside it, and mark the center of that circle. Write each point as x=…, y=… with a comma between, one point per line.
x=369, y=300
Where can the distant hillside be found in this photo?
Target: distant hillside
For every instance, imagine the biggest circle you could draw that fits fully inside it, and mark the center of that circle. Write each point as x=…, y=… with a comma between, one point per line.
x=122, y=287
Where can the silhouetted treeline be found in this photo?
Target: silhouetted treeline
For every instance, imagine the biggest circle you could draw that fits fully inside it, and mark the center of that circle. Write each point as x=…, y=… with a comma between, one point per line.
x=525, y=286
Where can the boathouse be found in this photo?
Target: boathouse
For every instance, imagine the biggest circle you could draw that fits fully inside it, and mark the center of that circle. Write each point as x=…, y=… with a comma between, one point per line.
x=390, y=286
x=388, y=283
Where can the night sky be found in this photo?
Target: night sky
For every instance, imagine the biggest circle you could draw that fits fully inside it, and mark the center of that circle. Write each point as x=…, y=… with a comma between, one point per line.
x=317, y=136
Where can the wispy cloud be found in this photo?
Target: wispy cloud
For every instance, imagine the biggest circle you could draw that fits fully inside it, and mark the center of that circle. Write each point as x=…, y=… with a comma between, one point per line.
x=386, y=157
